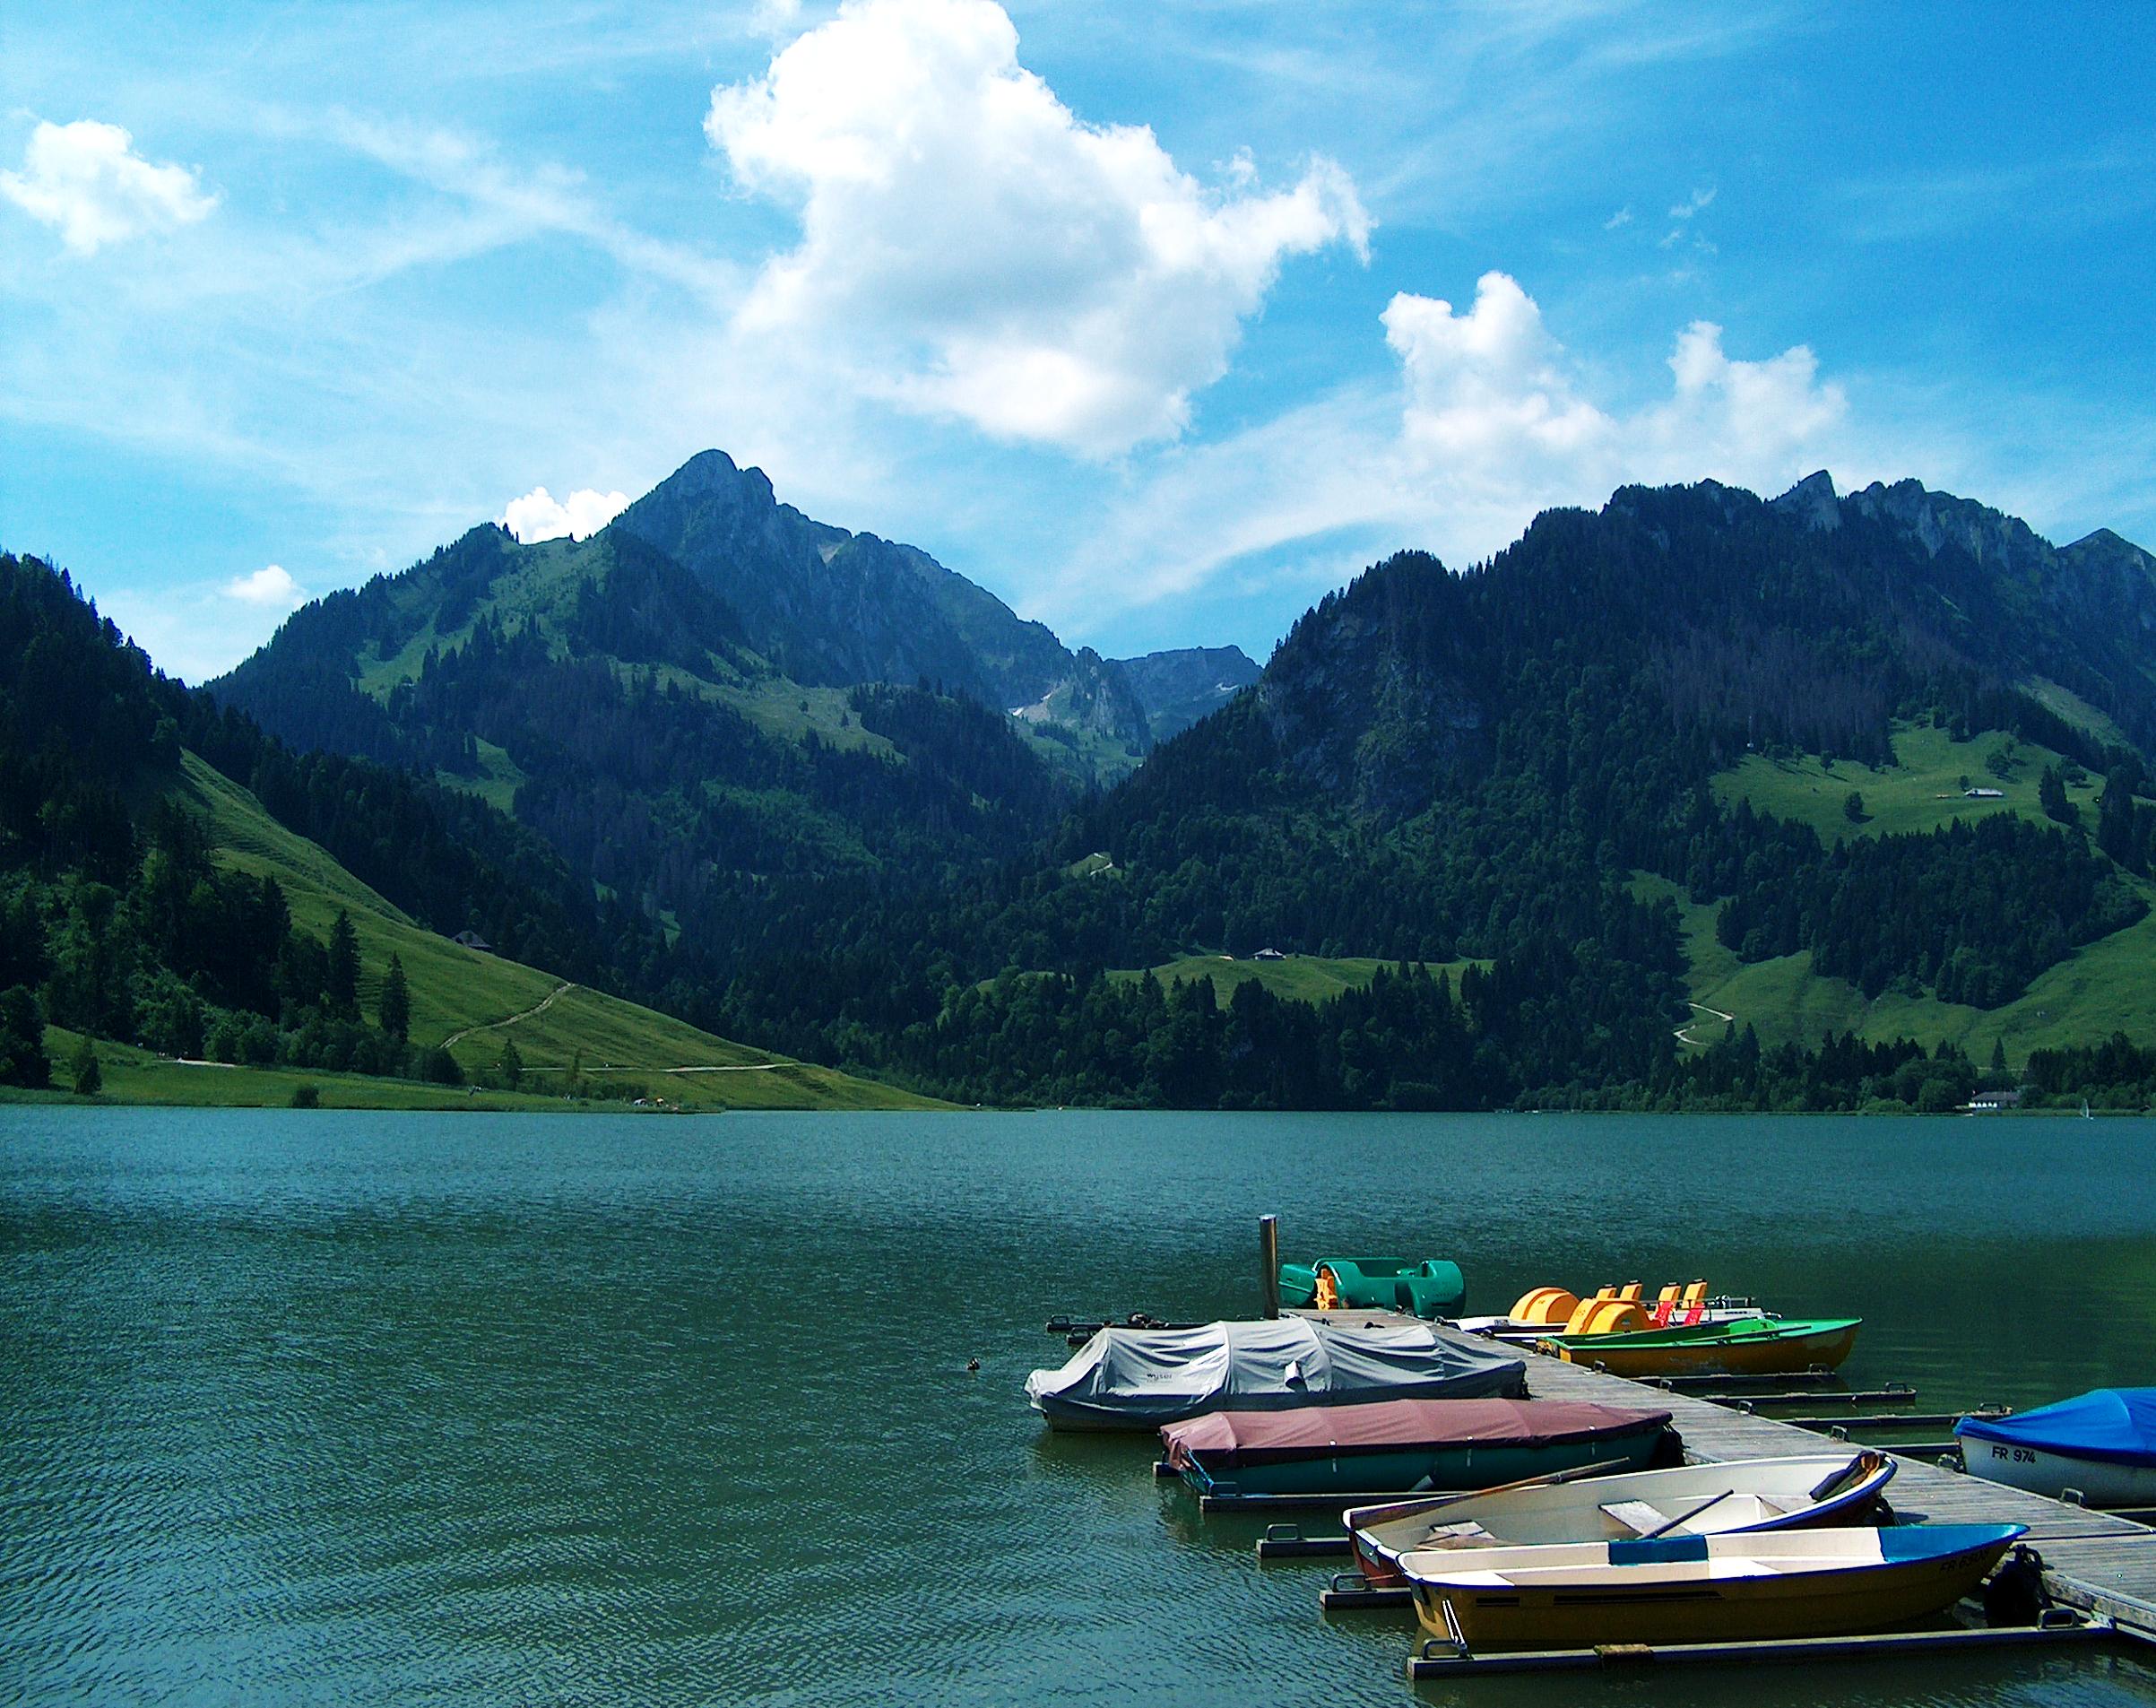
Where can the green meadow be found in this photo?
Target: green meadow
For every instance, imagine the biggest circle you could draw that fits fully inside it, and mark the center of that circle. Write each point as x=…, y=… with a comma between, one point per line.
x=2101, y=987
x=1922, y=790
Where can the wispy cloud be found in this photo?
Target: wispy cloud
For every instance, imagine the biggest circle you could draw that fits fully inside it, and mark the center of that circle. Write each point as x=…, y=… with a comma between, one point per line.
x=2101, y=187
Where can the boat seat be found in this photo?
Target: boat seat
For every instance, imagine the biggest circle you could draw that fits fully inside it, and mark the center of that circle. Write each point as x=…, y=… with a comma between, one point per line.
x=1637, y=1516
x=1733, y=1511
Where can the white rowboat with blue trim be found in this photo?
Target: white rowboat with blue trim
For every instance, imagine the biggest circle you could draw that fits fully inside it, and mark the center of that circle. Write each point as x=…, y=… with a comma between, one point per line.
x=1749, y=1586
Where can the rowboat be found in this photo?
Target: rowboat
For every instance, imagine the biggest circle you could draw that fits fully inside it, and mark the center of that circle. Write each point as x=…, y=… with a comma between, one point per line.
x=1407, y=1444
x=1753, y=1346
x=2103, y=1443
x=1688, y=1500
x=1140, y=1379
x=1702, y=1589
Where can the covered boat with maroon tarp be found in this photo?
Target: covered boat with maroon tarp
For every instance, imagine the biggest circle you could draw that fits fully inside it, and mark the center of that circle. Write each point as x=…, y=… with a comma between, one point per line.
x=1411, y=1445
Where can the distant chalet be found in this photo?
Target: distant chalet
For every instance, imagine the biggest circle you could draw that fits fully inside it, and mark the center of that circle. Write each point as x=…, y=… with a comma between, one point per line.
x=1269, y=955
x=473, y=939
x=1991, y=1102
x=1984, y=794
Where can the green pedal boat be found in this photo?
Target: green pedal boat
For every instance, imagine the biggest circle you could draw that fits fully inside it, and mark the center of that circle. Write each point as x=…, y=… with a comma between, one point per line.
x=1758, y=1345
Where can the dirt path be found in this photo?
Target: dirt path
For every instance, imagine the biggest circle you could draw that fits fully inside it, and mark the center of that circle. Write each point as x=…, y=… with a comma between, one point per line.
x=626, y=1067
x=562, y=989
x=1683, y=1031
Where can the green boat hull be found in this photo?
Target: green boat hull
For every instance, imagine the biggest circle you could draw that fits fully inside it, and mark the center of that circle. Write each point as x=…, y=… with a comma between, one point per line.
x=1751, y=1346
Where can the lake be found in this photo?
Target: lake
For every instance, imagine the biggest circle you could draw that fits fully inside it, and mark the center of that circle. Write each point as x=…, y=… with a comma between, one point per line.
x=386, y=1408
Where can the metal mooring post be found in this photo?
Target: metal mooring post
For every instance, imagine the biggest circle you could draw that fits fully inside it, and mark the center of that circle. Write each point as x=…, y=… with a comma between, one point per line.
x=1269, y=1262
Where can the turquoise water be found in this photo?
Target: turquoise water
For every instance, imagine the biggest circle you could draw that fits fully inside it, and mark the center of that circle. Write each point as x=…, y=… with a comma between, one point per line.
x=390, y=1408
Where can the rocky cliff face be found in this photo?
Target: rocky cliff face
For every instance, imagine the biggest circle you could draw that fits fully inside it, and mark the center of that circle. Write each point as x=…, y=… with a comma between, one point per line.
x=2080, y=615
x=830, y=607
x=1178, y=687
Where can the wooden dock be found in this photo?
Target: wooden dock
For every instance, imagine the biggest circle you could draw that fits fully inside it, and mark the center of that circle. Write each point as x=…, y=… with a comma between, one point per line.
x=2093, y=1561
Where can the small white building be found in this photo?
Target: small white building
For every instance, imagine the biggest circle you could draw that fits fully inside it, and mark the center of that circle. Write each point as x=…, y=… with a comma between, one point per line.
x=1984, y=794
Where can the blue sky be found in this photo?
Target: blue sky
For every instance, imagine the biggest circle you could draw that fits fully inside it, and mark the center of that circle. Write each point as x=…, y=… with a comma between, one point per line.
x=1159, y=320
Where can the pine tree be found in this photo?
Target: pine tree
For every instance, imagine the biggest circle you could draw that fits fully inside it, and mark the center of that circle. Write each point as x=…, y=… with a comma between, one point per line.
x=2051, y=795
x=2115, y=820
x=342, y=984
x=23, y=1058
x=89, y=1079
x=512, y=1068
x=394, y=1010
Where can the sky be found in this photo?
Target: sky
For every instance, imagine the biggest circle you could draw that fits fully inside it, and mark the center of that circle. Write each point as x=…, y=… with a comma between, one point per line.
x=1159, y=320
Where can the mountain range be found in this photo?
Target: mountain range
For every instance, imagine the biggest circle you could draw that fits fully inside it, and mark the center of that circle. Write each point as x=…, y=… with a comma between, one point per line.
x=1697, y=799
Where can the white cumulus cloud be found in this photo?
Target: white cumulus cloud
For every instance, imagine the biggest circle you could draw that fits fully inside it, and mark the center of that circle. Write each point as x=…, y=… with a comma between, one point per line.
x=990, y=256
x=539, y=515
x=1749, y=423
x=272, y=587
x=1491, y=402
x=1485, y=393
x=87, y=182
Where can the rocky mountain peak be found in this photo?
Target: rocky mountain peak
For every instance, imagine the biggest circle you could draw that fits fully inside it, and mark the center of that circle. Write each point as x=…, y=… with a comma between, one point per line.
x=1812, y=500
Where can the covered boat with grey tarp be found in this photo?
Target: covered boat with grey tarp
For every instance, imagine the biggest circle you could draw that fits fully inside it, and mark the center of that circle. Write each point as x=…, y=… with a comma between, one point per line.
x=1143, y=1378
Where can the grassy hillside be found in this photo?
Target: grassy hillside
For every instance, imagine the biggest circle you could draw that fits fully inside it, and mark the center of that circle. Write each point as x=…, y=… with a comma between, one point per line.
x=1921, y=791
x=133, y=1075
x=472, y=1001
x=2099, y=988
x=1305, y=978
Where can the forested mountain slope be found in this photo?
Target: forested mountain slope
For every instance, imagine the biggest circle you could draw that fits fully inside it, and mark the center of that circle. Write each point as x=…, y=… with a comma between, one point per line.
x=1436, y=765
x=149, y=899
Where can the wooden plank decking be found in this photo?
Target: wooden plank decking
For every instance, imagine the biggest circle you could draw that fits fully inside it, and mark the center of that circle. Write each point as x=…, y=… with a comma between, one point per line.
x=2094, y=1561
